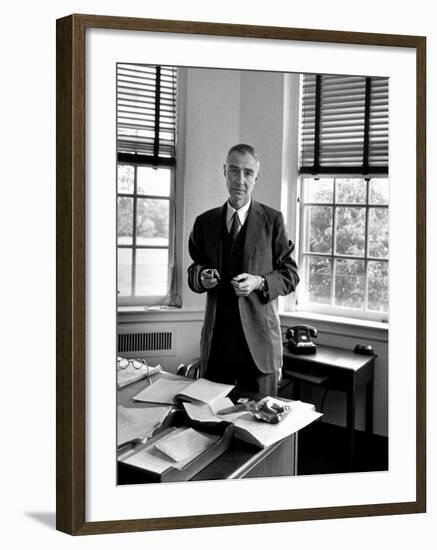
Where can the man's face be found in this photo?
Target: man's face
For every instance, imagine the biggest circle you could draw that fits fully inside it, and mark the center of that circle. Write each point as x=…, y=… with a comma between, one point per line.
x=241, y=173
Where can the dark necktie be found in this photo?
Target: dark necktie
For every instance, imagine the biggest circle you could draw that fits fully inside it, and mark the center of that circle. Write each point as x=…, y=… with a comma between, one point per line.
x=235, y=228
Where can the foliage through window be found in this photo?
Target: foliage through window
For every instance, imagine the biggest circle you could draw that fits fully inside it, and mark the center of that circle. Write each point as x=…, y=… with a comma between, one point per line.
x=146, y=152
x=344, y=246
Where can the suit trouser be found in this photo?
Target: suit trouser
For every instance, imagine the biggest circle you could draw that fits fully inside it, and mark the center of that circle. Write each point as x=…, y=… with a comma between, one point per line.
x=230, y=360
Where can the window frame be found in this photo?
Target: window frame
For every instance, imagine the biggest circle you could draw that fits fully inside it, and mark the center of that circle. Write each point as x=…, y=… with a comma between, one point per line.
x=150, y=300
x=172, y=296
x=331, y=309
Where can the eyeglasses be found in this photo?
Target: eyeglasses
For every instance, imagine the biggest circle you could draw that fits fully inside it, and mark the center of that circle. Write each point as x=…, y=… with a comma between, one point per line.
x=132, y=365
x=123, y=363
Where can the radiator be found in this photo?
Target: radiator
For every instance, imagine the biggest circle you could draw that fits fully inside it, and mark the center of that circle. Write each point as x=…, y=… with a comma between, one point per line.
x=146, y=343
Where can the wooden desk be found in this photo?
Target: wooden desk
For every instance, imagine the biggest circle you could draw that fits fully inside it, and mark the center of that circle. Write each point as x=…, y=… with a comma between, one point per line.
x=240, y=460
x=335, y=369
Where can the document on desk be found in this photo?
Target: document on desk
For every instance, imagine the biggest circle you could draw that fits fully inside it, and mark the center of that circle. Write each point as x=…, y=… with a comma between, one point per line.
x=171, y=391
x=204, y=391
x=203, y=412
x=263, y=434
x=151, y=458
x=138, y=424
x=162, y=391
x=185, y=445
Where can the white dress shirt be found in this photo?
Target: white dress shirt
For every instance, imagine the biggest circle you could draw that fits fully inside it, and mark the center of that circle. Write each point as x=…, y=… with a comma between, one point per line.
x=241, y=213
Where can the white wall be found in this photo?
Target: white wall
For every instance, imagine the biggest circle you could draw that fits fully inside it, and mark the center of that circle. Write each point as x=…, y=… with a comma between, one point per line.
x=261, y=124
x=28, y=408
x=212, y=123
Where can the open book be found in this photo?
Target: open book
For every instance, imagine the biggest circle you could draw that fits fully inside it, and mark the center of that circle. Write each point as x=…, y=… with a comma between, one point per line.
x=169, y=391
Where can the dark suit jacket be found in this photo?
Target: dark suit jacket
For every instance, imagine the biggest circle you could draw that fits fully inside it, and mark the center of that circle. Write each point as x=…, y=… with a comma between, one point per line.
x=267, y=252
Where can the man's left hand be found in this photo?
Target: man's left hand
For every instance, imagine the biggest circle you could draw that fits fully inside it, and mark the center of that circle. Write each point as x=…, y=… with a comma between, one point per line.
x=245, y=283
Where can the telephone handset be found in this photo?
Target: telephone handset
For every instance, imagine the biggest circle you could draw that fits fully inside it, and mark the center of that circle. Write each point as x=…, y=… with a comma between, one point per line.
x=299, y=339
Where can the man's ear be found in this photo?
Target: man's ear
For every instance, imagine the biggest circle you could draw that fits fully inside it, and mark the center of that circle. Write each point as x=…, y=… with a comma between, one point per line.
x=224, y=170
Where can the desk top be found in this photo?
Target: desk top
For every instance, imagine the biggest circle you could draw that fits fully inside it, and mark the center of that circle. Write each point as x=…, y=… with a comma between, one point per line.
x=240, y=460
x=333, y=357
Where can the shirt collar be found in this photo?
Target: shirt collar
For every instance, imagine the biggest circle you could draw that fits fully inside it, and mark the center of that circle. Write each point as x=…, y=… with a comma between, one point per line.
x=241, y=212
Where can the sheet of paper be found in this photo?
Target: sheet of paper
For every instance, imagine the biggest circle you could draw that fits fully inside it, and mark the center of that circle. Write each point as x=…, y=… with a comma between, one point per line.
x=138, y=423
x=201, y=412
x=266, y=434
x=209, y=413
x=205, y=391
x=162, y=391
x=152, y=459
x=185, y=445
x=220, y=404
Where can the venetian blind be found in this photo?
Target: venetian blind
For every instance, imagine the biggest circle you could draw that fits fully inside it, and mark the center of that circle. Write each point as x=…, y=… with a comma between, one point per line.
x=146, y=113
x=344, y=124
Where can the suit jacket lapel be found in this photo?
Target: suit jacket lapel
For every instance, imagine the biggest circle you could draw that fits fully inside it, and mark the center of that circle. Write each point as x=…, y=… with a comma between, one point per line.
x=255, y=223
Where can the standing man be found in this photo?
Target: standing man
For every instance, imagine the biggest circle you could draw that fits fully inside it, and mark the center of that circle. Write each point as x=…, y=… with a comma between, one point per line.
x=242, y=259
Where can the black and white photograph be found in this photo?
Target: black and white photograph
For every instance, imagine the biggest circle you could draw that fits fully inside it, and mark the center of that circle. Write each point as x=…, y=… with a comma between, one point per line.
x=218, y=290
x=252, y=250
x=241, y=264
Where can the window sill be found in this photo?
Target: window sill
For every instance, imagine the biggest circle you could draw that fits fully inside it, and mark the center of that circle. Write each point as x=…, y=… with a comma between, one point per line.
x=163, y=314
x=330, y=324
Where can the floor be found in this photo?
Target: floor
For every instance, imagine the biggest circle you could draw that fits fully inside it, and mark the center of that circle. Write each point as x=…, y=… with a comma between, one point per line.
x=322, y=450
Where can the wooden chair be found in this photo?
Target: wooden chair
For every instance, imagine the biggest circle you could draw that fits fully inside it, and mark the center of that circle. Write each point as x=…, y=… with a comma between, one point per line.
x=192, y=370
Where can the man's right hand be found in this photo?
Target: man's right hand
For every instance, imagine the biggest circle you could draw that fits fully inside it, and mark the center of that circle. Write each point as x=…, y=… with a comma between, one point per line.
x=209, y=278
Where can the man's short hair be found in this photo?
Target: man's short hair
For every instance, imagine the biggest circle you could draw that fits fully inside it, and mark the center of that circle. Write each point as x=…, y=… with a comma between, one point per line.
x=243, y=148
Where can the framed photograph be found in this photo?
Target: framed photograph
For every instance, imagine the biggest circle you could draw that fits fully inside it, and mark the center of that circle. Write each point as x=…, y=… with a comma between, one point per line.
x=242, y=206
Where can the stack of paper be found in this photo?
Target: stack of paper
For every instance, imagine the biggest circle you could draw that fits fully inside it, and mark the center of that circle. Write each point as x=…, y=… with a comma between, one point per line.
x=174, y=450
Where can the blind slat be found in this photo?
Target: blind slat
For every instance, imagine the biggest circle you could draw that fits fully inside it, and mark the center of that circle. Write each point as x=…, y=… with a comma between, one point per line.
x=146, y=124
x=344, y=135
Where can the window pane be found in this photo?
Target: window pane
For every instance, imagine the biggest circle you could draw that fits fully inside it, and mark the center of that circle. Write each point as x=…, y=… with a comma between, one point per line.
x=125, y=214
x=152, y=222
x=350, y=229
x=377, y=286
x=318, y=190
x=379, y=191
x=151, y=272
x=350, y=190
x=124, y=258
x=319, y=279
x=125, y=176
x=153, y=181
x=349, y=283
x=318, y=229
x=378, y=233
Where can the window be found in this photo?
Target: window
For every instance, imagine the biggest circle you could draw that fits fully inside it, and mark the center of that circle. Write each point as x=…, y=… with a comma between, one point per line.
x=146, y=154
x=344, y=196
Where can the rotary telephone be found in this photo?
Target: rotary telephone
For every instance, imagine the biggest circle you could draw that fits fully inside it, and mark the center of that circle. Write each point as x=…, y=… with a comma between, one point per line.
x=299, y=339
